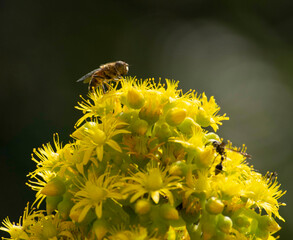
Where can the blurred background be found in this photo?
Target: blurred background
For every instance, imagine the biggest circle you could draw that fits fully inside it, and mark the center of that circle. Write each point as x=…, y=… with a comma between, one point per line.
x=241, y=52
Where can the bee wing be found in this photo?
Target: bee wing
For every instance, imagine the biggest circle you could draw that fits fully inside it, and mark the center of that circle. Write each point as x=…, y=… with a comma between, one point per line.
x=242, y=153
x=86, y=78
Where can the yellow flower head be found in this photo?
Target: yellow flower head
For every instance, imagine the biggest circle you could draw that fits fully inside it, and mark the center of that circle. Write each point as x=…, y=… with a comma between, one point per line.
x=143, y=164
x=94, y=192
x=264, y=194
x=155, y=182
x=93, y=136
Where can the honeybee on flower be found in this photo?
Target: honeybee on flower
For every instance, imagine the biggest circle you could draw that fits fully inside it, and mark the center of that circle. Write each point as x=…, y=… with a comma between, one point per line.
x=108, y=72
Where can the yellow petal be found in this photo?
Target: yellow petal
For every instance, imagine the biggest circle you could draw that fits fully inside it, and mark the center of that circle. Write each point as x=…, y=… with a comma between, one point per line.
x=100, y=152
x=84, y=212
x=99, y=210
x=87, y=155
x=155, y=196
x=114, y=145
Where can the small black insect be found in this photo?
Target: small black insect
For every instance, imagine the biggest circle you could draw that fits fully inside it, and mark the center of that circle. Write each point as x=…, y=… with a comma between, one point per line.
x=221, y=148
x=271, y=176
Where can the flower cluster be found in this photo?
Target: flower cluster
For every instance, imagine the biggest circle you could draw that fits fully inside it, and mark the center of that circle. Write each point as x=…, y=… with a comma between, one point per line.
x=143, y=164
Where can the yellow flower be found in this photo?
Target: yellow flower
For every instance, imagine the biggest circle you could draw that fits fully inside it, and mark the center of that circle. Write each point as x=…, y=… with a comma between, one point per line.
x=99, y=104
x=194, y=144
x=207, y=115
x=20, y=229
x=48, y=157
x=42, y=179
x=93, y=136
x=154, y=182
x=264, y=194
x=226, y=187
x=197, y=184
x=94, y=192
x=53, y=228
x=143, y=165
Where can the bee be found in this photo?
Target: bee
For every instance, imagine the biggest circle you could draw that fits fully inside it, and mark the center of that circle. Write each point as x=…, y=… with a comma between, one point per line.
x=108, y=72
x=220, y=148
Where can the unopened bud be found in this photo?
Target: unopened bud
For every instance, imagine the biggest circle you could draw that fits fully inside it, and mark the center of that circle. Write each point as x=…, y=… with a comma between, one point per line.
x=188, y=125
x=135, y=98
x=268, y=223
x=206, y=156
x=52, y=202
x=179, y=168
x=100, y=228
x=168, y=212
x=175, y=116
x=225, y=224
x=163, y=131
x=242, y=221
x=150, y=112
x=202, y=118
x=211, y=137
x=142, y=207
x=49, y=230
x=140, y=126
x=214, y=206
x=64, y=208
x=55, y=187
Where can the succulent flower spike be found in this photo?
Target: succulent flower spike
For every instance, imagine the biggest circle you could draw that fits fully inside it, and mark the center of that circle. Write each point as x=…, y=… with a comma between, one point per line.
x=142, y=164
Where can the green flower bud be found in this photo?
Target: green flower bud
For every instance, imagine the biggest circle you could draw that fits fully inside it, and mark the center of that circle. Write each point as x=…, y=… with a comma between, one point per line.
x=135, y=99
x=190, y=217
x=142, y=207
x=163, y=131
x=55, y=187
x=64, y=208
x=268, y=224
x=49, y=230
x=178, y=168
x=211, y=136
x=242, y=221
x=128, y=117
x=100, y=228
x=208, y=226
x=202, y=118
x=151, y=113
x=225, y=224
x=140, y=127
x=175, y=116
x=52, y=202
x=205, y=157
x=262, y=234
x=187, y=126
x=168, y=212
x=214, y=206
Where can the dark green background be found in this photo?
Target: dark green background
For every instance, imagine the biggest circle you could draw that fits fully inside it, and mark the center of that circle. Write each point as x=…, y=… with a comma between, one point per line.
x=241, y=52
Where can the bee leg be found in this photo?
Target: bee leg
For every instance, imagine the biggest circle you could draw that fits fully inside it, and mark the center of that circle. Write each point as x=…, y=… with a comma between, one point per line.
x=107, y=85
x=103, y=86
x=93, y=84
